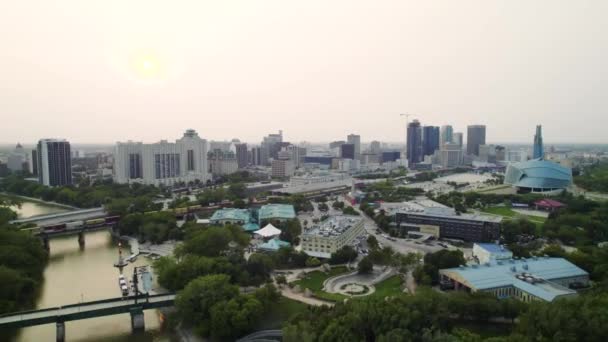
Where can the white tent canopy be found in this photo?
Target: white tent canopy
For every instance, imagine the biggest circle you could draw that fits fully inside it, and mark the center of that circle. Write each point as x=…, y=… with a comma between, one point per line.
x=268, y=231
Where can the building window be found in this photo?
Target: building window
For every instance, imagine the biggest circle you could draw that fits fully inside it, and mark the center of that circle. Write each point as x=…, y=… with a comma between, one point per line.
x=190, y=160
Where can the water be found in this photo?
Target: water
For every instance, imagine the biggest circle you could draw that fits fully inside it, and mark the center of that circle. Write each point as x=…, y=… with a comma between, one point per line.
x=74, y=275
x=29, y=209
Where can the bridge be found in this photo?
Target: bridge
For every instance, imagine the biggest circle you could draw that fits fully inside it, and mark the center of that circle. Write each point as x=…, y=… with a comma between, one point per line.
x=65, y=217
x=134, y=305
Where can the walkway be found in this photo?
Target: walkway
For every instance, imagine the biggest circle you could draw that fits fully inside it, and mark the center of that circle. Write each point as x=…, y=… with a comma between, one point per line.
x=79, y=311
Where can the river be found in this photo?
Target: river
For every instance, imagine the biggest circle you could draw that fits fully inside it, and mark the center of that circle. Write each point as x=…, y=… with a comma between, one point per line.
x=73, y=275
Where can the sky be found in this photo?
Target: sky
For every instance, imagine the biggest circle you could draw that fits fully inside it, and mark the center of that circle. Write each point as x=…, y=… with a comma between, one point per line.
x=107, y=71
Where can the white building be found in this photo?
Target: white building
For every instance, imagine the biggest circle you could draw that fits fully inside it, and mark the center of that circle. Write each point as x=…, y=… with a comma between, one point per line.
x=163, y=162
x=16, y=159
x=222, y=162
x=282, y=168
x=490, y=252
x=330, y=235
x=450, y=155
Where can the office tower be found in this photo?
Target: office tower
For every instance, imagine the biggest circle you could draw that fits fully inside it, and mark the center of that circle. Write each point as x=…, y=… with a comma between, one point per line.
x=457, y=139
x=163, y=162
x=414, y=143
x=390, y=156
x=476, y=136
x=430, y=140
x=450, y=155
x=54, y=162
x=270, y=147
x=282, y=166
x=447, y=134
x=34, y=163
x=222, y=162
x=355, y=140
x=539, y=151
x=256, y=156
x=501, y=153
x=347, y=151
x=487, y=153
x=241, y=155
x=16, y=159
x=374, y=147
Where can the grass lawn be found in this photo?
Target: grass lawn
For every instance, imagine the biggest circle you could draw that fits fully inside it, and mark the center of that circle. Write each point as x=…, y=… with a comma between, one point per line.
x=281, y=312
x=388, y=287
x=314, y=282
x=508, y=213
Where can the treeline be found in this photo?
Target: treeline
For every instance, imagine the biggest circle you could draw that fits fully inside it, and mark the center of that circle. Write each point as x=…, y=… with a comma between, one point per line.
x=432, y=316
x=22, y=262
x=118, y=196
x=594, y=178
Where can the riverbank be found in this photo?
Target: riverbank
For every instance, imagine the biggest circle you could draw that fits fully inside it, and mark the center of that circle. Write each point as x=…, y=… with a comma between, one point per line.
x=38, y=200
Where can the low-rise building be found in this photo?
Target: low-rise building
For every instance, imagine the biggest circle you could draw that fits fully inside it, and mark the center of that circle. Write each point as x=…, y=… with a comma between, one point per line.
x=330, y=235
x=490, y=252
x=276, y=213
x=452, y=224
x=534, y=279
x=226, y=216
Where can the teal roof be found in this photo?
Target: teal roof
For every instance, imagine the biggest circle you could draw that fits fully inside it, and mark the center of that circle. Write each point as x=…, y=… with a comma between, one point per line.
x=274, y=245
x=231, y=215
x=277, y=211
x=504, y=274
x=250, y=227
x=538, y=173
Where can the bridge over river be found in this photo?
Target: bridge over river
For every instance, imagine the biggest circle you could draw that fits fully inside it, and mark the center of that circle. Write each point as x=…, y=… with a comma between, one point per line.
x=64, y=217
x=59, y=315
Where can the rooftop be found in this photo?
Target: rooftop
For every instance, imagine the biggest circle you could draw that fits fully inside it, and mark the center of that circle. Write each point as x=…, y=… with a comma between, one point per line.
x=493, y=248
x=273, y=245
x=231, y=214
x=297, y=189
x=334, y=226
x=530, y=275
x=434, y=209
x=271, y=211
x=547, y=202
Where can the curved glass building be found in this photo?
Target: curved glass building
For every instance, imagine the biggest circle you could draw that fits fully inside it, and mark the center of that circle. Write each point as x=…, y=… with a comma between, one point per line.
x=538, y=176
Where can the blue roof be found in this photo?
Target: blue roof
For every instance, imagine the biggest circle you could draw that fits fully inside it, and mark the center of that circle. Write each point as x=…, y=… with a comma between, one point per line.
x=493, y=248
x=276, y=211
x=231, y=214
x=538, y=173
x=274, y=245
x=504, y=274
x=250, y=227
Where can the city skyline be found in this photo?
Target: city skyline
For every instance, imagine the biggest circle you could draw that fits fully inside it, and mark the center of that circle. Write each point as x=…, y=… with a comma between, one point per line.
x=240, y=70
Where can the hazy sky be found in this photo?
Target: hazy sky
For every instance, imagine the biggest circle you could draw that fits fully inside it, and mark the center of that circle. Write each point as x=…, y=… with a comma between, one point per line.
x=102, y=71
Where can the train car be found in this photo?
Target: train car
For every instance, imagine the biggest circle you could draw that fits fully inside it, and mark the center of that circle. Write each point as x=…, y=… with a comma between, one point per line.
x=74, y=224
x=180, y=211
x=54, y=228
x=94, y=222
x=195, y=207
x=112, y=219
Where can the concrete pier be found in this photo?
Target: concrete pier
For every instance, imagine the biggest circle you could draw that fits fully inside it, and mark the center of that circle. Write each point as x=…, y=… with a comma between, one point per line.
x=81, y=238
x=60, y=331
x=137, y=320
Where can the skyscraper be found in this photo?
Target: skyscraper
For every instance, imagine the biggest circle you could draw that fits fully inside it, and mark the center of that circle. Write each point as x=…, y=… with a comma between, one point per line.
x=414, y=143
x=447, y=134
x=241, y=155
x=457, y=139
x=355, y=140
x=270, y=147
x=539, y=151
x=476, y=135
x=347, y=151
x=430, y=140
x=54, y=162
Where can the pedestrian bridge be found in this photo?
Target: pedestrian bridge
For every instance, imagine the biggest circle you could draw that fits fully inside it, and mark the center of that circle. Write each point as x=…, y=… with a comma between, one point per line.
x=59, y=315
x=59, y=218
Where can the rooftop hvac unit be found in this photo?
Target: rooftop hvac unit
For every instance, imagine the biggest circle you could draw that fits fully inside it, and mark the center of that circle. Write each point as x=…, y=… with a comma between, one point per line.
x=513, y=269
x=525, y=266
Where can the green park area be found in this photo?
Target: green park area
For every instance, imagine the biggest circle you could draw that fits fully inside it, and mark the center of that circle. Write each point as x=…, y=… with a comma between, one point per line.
x=283, y=310
x=509, y=213
x=314, y=282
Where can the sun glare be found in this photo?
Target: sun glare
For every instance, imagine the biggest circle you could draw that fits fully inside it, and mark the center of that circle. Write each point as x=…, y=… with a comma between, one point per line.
x=147, y=67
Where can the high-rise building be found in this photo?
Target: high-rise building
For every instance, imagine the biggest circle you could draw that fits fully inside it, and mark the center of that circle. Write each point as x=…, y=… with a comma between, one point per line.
x=256, y=156
x=539, y=151
x=270, y=147
x=54, y=162
x=476, y=136
x=355, y=139
x=450, y=155
x=430, y=140
x=163, y=162
x=241, y=155
x=282, y=168
x=375, y=147
x=414, y=143
x=16, y=159
x=336, y=144
x=457, y=138
x=222, y=162
x=501, y=153
x=34, y=163
x=447, y=134
x=347, y=151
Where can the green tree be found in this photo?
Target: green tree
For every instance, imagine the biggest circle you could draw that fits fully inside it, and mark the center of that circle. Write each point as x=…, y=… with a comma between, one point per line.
x=365, y=266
